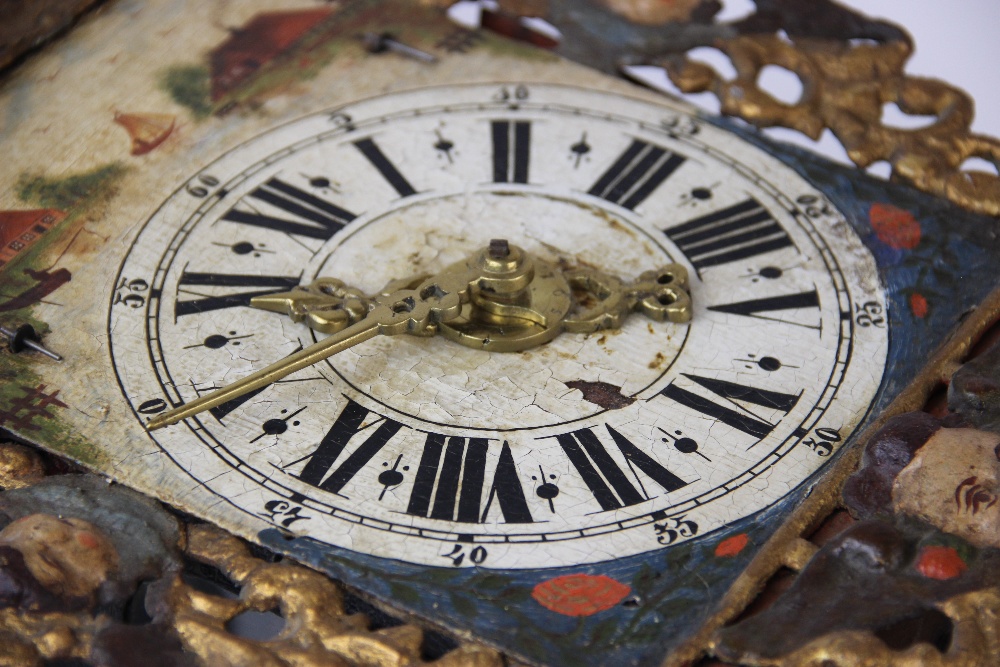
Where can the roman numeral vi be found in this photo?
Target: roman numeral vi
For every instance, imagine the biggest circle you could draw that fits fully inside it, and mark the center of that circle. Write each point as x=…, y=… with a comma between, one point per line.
x=455, y=482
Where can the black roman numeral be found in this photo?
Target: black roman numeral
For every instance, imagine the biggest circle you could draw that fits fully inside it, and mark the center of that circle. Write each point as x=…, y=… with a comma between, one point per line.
x=732, y=391
x=348, y=425
x=635, y=174
x=204, y=304
x=306, y=208
x=771, y=304
x=378, y=159
x=511, y=151
x=606, y=480
x=460, y=475
x=743, y=230
x=220, y=412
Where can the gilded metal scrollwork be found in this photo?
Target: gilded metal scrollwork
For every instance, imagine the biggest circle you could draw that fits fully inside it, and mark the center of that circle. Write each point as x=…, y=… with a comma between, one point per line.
x=845, y=86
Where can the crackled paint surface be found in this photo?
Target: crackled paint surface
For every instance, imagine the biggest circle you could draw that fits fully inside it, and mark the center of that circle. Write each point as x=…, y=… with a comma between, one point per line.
x=128, y=253
x=431, y=452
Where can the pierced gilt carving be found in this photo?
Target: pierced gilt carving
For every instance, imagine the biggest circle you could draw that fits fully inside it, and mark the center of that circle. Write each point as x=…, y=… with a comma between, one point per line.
x=317, y=629
x=844, y=89
x=73, y=549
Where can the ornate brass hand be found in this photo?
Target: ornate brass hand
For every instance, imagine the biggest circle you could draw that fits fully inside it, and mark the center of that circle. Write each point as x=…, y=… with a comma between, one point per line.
x=405, y=311
x=501, y=300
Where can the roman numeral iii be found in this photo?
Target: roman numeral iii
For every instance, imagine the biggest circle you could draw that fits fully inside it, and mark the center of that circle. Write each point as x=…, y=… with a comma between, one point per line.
x=742, y=230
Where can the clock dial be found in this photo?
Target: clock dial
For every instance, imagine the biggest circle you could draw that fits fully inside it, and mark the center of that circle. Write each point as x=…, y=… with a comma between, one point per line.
x=586, y=448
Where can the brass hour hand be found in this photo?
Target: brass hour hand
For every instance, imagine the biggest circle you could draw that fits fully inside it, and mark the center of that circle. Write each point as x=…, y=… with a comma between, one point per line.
x=435, y=300
x=326, y=305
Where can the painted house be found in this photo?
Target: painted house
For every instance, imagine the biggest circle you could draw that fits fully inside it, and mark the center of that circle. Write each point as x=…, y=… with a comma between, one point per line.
x=265, y=37
x=20, y=229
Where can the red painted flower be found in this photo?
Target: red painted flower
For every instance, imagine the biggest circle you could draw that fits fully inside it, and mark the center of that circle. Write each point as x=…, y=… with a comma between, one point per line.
x=732, y=545
x=580, y=594
x=894, y=227
x=918, y=304
x=940, y=563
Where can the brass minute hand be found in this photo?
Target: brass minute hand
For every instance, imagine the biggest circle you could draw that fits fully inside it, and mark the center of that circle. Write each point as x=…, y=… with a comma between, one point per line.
x=435, y=300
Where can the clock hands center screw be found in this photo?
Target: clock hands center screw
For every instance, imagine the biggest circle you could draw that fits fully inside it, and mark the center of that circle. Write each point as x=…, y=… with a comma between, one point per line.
x=380, y=43
x=26, y=337
x=499, y=248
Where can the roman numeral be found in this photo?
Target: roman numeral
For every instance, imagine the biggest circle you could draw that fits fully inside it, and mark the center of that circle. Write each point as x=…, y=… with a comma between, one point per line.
x=743, y=230
x=306, y=208
x=511, y=151
x=732, y=391
x=460, y=476
x=204, y=304
x=635, y=174
x=220, y=412
x=347, y=426
x=606, y=480
x=771, y=304
x=378, y=159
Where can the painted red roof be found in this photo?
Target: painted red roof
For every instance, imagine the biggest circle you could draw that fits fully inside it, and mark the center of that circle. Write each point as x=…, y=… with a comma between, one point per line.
x=264, y=37
x=14, y=224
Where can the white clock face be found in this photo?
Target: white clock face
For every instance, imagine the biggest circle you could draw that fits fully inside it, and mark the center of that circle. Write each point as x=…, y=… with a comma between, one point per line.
x=584, y=449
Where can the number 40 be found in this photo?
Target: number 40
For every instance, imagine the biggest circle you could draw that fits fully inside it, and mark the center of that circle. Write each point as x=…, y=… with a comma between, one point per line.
x=477, y=555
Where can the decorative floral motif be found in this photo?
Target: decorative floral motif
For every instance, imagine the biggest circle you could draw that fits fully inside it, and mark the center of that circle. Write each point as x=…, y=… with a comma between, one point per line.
x=732, y=545
x=940, y=563
x=894, y=227
x=580, y=594
x=918, y=304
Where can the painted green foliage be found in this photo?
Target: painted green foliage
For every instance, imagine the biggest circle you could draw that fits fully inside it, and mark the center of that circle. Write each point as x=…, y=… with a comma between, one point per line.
x=189, y=86
x=72, y=191
x=27, y=405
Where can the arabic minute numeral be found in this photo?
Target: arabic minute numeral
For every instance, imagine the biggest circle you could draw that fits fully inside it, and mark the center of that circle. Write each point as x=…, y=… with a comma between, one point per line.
x=674, y=528
x=477, y=555
x=342, y=120
x=822, y=444
x=130, y=292
x=279, y=511
x=152, y=406
x=870, y=314
x=200, y=187
x=815, y=207
x=519, y=93
x=680, y=126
